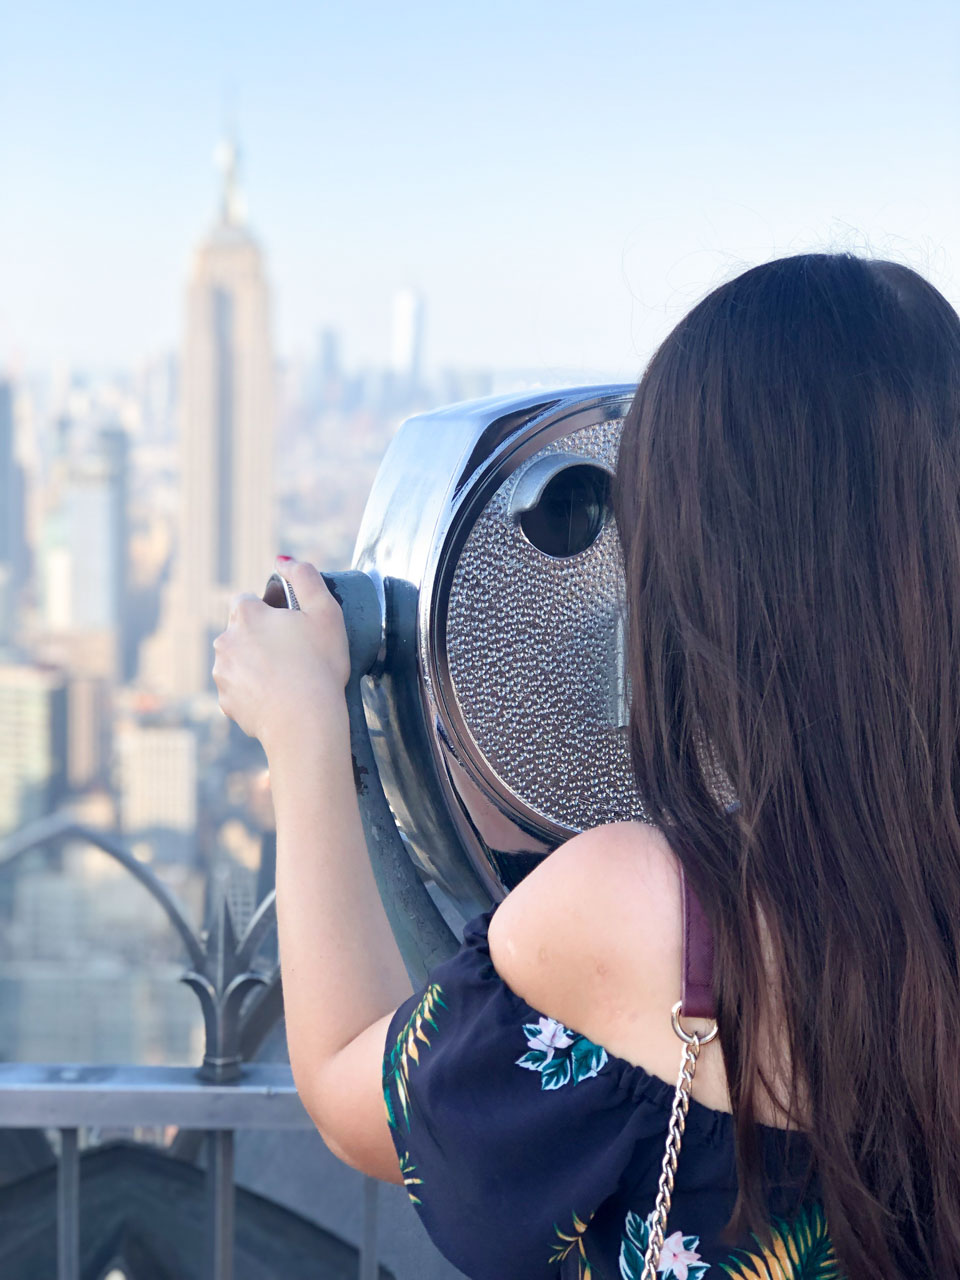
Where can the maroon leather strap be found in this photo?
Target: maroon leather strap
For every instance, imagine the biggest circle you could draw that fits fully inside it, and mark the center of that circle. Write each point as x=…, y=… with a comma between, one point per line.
x=698, y=999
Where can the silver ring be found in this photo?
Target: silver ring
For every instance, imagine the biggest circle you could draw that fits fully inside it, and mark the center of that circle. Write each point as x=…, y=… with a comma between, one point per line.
x=685, y=1036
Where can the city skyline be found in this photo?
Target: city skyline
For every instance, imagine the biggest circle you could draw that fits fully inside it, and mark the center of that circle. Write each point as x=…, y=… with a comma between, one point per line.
x=559, y=192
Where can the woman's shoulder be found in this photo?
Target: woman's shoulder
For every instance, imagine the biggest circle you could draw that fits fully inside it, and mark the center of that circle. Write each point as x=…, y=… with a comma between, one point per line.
x=605, y=900
x=593, y=937
x=607, y=863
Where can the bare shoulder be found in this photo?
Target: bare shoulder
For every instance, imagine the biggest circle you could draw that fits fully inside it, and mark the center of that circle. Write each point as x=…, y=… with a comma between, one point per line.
x=592, y=936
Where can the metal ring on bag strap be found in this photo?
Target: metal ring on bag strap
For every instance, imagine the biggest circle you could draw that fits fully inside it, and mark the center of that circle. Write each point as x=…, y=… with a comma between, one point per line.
x=697, y=1001
x=686, y=1036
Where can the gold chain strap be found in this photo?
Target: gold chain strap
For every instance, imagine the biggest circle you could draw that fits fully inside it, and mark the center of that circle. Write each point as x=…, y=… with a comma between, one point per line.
x=678, y=1119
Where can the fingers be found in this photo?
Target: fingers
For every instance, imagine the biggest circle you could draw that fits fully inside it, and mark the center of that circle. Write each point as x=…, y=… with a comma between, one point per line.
x=308, y=582
x=241, y=604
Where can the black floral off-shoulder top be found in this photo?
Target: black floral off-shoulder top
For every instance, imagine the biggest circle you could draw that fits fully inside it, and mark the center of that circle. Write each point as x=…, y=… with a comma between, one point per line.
x=531, y=1153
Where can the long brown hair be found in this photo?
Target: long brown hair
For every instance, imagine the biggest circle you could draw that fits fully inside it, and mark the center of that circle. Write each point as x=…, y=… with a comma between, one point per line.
x=788, y=504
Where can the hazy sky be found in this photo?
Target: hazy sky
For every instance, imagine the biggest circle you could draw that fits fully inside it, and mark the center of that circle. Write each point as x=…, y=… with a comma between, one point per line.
x=561, y=180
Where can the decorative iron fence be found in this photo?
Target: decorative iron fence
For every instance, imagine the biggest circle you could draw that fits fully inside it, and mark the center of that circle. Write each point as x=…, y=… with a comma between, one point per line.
x=216, y=1099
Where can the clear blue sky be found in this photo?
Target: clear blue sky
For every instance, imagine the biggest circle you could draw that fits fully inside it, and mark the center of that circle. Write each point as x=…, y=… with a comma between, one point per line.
x=561, y=180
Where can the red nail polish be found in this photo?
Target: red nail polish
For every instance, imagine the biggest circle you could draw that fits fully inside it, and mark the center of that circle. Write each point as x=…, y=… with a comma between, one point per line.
x=284, y=557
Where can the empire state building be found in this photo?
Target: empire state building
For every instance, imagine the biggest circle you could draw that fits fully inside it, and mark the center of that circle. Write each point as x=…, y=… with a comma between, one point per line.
x=226, y=540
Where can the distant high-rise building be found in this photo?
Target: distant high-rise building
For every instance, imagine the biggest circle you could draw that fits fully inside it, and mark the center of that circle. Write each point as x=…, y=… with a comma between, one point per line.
x=114, y=447
x=97, y=516
x=156, y=779
x=89, y=731
x=61, y=438
x=157, y=386
x=329, y=361
x=406, y=349
x=226, y=541
x=33, y=742
x=7, y=463
x=325, y=384
x=12, y=532
x=83, y=557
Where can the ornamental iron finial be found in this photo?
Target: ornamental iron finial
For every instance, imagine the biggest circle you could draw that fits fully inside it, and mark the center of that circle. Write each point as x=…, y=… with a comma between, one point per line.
x=224, y=979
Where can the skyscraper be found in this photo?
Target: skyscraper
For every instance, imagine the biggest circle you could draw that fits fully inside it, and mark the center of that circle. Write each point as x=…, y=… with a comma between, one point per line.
x=406, y=350
x=226, y=538
x=6, y=470
x=12, y=534
x=156, y=778
x=83, y=561
x=33, y=745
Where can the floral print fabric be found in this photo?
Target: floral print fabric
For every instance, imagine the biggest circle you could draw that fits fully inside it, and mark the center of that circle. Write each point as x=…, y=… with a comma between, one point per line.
x=560, y=1055
x=530, y=1152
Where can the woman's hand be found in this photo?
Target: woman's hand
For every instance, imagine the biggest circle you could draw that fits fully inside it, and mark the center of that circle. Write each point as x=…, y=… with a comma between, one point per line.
x=275, y=666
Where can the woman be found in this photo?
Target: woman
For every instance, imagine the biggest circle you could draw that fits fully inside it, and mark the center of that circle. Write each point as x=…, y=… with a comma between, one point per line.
x=788, y=503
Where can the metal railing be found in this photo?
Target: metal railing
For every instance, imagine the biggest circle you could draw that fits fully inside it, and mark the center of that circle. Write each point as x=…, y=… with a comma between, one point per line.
x=74, y=1097
x=221, y=1096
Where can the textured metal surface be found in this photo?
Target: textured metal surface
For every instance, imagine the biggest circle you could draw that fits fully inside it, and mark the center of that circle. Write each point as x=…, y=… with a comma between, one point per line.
x=534, y=653
x=496, y=704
